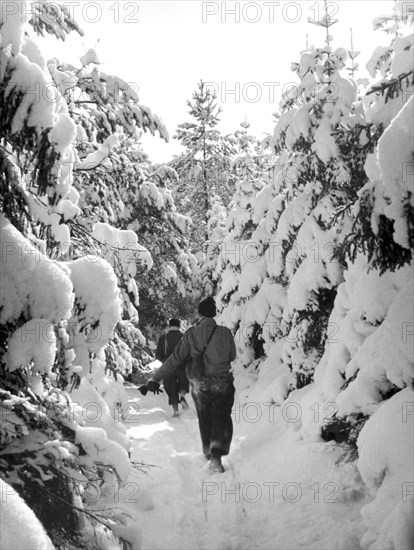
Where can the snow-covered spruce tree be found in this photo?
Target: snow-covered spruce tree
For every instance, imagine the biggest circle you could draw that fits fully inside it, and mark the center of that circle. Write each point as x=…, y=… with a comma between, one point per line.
x=56, y=323
x=248, y=167
x=318, y=176
x=118, y=185
x=203, y=169
x=379, y=247
x=324, y=131
x=205, y=276
x=389, y=239
x=368, y=371
x=244, y=242
x=102, y=104
x=245, y=164
x=108, y=115
x=167, y=289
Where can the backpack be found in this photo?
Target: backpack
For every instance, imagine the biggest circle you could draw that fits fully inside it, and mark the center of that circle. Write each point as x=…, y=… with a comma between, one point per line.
x=171, y=343
x=196, y=365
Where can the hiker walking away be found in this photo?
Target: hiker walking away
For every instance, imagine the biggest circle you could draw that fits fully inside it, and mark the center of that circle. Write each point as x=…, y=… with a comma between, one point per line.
x=176, y=382
x=208, y=350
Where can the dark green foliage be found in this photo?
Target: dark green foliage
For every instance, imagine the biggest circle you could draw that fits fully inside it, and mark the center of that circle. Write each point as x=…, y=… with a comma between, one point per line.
x=35, y=156
x=318, y=330
x=345, y=431
x=393, y=87
x=52, y=18
x=13, y=201
x=301, y=379
x=256, y=341
x=155, y=313
x=381, y=249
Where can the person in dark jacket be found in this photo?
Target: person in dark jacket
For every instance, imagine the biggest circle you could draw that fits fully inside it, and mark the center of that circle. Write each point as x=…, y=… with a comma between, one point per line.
x=211, y=380
x=175, y=383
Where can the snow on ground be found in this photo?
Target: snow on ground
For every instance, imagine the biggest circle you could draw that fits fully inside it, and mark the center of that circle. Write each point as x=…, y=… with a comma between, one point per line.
x=278, y=491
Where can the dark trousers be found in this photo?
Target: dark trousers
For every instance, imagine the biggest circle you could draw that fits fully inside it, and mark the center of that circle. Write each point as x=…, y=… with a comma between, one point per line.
x=214, y=419
x=174, y=383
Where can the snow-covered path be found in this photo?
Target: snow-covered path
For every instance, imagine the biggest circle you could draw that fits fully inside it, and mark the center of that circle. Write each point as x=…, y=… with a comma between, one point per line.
x=278, y=492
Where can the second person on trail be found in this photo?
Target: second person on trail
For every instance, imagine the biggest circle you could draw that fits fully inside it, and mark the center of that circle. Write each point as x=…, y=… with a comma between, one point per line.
x=175, y=383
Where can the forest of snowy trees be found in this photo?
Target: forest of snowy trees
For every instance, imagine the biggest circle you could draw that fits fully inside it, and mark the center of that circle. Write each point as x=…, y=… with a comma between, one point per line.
x=304, y=239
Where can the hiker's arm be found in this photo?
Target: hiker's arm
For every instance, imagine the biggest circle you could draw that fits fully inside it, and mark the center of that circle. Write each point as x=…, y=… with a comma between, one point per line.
x=181, y=353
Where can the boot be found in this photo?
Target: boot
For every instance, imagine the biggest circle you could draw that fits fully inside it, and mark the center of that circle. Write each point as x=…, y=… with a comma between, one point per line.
x=215, y=465
x=175, y=409
x=206, y=453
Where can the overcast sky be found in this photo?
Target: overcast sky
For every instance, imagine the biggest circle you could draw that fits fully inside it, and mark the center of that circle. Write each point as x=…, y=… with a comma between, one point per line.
x=244, y=49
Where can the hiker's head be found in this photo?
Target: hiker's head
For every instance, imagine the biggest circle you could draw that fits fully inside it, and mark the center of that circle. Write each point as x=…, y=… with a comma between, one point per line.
x=207, y=308
x=174, y=323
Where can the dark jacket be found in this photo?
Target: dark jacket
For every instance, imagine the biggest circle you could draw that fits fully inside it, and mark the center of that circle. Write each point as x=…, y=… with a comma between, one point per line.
x=219, y=353
x=167, y=342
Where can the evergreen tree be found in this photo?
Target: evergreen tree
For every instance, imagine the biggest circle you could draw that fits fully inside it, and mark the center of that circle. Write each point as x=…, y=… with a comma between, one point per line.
x=118, y=185
x=68, y=283
x=321, y=140
x=203, y=169
x=337, y=290
x=315, y=129
x=205, y=276
x=378, y=279
x=233, y=229
x=384, y=220
x=46, y=308
x=241, y=260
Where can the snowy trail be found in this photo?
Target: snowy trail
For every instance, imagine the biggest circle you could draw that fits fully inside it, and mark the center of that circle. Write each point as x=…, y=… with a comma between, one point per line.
x=177, y=513
x=277, y=492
